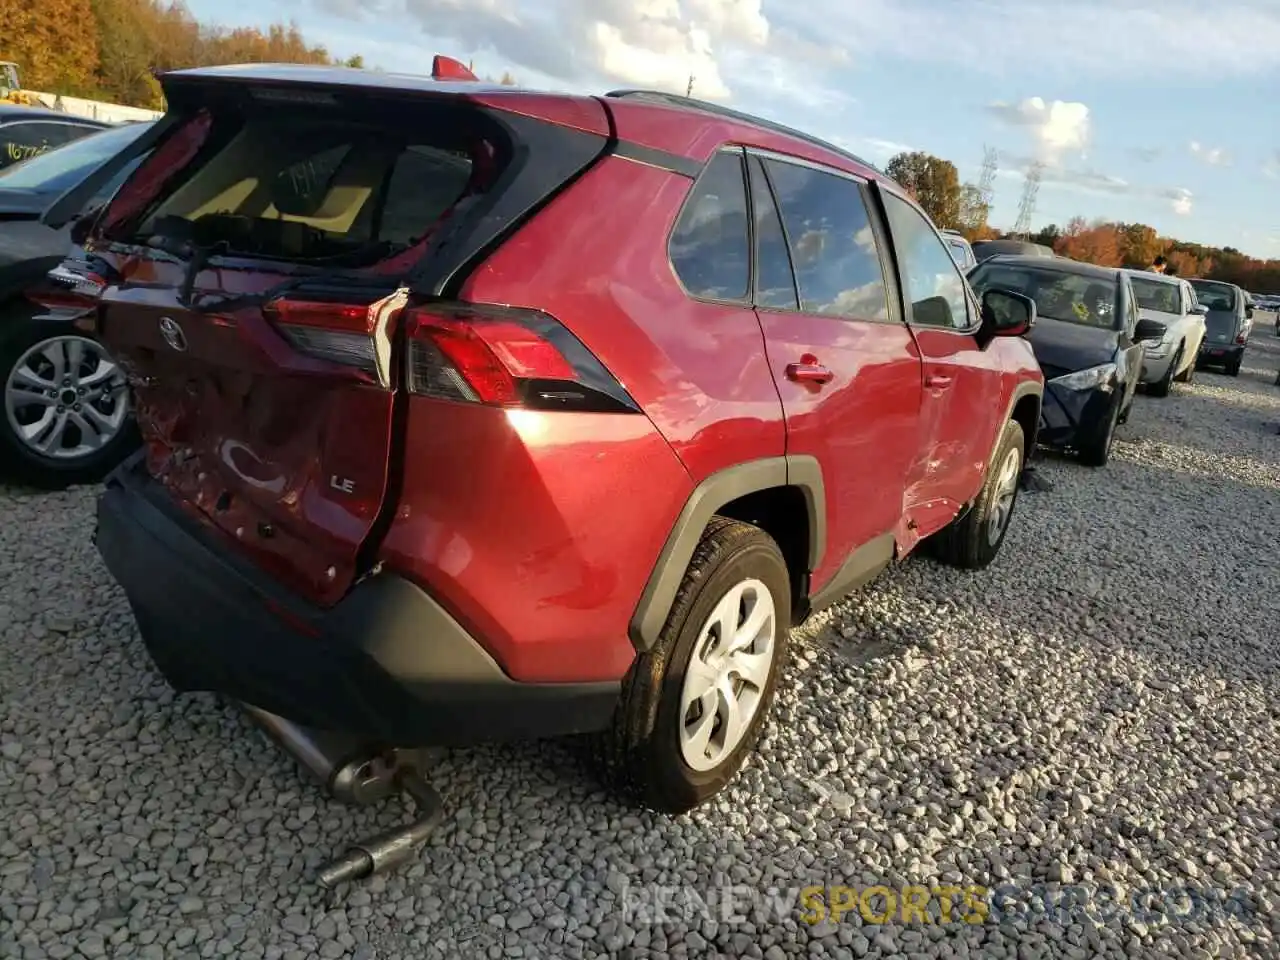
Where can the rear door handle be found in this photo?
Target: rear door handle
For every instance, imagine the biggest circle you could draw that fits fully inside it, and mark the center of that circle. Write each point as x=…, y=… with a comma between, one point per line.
x=808, y=370
x=937, y=381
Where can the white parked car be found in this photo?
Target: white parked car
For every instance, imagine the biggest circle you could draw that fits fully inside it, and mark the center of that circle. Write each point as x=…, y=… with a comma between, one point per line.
x=1171, y=301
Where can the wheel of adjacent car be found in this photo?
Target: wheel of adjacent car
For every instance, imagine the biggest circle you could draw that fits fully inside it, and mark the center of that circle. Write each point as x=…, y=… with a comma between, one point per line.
x=67, y=416
x=1233, y=368
x=1096, y=450
x=1162, y=386
x=1188, y=375
x=692, y=707
x=972, y=540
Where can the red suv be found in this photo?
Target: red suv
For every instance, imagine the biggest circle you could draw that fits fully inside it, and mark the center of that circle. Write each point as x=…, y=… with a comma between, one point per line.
x=474, y=413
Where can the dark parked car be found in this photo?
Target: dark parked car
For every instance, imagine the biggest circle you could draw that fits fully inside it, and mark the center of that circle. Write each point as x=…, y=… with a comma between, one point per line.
x=26, y=132
x=66, y=410
x=1088, y=339
x=385, y=425
x=983, y=249
x=1227, y=324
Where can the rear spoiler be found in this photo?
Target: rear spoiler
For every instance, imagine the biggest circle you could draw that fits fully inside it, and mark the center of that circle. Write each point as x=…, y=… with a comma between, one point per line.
x=447, y=68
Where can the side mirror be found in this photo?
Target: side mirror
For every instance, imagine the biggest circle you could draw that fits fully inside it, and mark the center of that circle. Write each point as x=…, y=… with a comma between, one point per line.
x=1248, y=312
x=1199, y=310
x=1007, y=313
x=1148, y=329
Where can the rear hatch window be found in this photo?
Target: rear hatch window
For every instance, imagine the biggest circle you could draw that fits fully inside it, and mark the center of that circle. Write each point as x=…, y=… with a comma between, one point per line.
x=258, y=262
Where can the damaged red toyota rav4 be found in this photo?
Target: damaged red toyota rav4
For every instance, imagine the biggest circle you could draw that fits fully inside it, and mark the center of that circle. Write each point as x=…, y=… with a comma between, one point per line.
x=473, y=413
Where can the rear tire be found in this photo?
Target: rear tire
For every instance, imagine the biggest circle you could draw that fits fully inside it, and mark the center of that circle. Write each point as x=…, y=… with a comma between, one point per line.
x=1233, y=368
x=19, y=458
x=671, y=747
x=973, y=539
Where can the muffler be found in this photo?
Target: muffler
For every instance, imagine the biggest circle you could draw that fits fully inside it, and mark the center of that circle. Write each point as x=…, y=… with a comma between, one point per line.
x=360, y=773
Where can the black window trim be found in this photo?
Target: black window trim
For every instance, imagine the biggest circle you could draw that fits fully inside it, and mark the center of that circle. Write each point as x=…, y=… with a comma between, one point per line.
x=756, y=162
x=880, y=190
x=747, y=299
x=892, y=294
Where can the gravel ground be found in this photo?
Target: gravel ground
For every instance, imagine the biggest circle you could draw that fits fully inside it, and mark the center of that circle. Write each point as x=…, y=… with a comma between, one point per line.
x=1099, y=710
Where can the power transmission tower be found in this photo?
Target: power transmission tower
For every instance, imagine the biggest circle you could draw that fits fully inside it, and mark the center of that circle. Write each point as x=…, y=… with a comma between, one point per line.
x=987, y=179
x=1027, y=206
x=688, y=91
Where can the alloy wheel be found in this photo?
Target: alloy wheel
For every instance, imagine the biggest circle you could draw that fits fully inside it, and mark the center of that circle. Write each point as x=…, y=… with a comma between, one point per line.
x=65, y=398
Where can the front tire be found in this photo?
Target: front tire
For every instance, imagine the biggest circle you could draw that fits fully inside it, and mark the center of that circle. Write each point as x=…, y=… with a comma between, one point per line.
x=1188, y=375
x=66, y=417
x=693, y=707
x=972, y=540
x=1162, y=387
x=1096, y=451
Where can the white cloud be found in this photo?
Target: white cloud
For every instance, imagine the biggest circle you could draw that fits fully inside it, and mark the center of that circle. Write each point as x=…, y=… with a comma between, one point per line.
x=1057, y=128
x=1181, y=199
x=1128, y=40
x=649, y=43
x=1214, y=156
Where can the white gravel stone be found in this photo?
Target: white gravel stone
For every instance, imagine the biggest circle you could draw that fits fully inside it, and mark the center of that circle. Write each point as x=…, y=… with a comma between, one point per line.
x=1099, y=707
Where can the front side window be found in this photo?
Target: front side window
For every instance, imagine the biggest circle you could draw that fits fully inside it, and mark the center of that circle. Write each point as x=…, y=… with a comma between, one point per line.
x=935, y=289
x=710, y=247
x=833, y=248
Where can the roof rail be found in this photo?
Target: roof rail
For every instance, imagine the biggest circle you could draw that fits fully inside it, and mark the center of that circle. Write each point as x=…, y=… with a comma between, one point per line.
x=690, y=103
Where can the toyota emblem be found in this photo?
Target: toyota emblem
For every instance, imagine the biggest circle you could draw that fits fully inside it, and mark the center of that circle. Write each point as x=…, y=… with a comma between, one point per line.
x=172, y=333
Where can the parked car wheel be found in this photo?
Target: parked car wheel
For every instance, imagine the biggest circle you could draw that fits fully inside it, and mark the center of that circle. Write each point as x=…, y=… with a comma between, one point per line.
x=972, y=540
x=693, y=706
x=1162, y=386
x=67, y=413
x=1096, y=451
x=1233, y=368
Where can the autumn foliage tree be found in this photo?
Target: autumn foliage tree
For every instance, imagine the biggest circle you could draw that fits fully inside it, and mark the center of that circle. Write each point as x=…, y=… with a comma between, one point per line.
x=49, y=41
x=934, y=182
x=111, y=49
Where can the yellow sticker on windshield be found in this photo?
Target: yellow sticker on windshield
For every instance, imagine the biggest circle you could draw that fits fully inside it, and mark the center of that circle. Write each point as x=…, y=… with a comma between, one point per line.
x=1080, y=310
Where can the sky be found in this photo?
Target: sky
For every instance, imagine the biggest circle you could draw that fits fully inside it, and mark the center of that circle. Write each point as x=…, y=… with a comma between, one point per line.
x=1154, y=111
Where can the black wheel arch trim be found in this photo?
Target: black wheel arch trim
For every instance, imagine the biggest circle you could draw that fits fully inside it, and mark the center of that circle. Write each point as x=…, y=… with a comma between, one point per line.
x=709, y=497
x=1027, y=388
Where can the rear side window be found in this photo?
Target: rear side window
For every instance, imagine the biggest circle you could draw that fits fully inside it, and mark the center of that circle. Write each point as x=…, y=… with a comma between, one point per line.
x=837, y=263
x=710, y=249
x=348, y=193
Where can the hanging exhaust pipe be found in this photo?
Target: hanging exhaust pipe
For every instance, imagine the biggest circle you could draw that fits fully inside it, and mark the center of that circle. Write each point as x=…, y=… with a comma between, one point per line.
x=359, y=773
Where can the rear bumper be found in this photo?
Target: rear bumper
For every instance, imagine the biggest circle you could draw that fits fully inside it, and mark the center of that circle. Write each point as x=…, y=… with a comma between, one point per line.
x=1069, y=417
x=1222, y=353
x=387, y=662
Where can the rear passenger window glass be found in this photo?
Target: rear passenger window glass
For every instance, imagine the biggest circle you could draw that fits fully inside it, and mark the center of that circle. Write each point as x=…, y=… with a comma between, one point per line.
x=833, y=248
x=775, y=283
x=935, y=289
x=710, y=250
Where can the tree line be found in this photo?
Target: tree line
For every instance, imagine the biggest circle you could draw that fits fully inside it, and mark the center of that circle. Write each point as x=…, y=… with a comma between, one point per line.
x=936, y=185
x=112, y=49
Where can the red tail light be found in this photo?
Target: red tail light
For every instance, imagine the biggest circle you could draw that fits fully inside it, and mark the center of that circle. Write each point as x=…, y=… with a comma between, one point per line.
x=69, y=287
x=352, y=335
x=507, y=357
